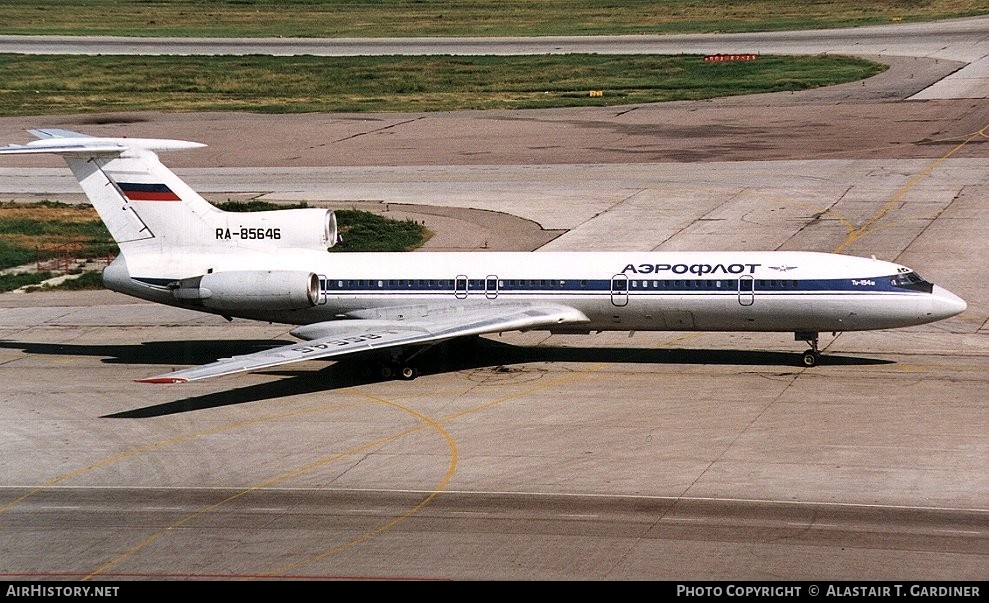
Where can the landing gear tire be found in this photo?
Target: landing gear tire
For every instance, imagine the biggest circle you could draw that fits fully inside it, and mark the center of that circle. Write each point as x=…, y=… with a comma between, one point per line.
x=812, y=356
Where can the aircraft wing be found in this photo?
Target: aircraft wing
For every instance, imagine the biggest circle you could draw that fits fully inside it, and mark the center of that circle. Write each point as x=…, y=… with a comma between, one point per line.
x=342, y=337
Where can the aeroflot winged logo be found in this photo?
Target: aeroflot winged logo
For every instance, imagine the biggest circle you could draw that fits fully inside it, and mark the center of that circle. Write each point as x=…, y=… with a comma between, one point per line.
x=147, y=192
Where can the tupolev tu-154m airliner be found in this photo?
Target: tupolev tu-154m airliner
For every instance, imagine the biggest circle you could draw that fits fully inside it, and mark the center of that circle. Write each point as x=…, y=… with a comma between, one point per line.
x=178, y=249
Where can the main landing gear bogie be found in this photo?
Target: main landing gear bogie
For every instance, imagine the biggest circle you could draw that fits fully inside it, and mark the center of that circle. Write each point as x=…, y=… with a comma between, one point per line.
x=398, y=371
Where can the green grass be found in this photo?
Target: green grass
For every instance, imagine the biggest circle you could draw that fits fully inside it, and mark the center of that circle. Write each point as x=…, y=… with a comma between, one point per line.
x=54, y=230
x=9, y=282
x=12, y=254
x=255, y=205
x=405, y=18
x=49, y=229
x=49, y=233
x=365, y=231
x=38, y=85
x=32, y=282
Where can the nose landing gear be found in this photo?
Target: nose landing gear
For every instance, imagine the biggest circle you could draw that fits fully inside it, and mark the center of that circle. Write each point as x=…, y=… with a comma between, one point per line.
x=812, y=356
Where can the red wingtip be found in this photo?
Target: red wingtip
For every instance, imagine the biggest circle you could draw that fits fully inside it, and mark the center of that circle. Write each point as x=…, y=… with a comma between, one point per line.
x=162, y=380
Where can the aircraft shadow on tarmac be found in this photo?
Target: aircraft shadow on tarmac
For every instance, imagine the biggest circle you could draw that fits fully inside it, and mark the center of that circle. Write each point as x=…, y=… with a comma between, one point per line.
x=151, y=352
x=463, y=354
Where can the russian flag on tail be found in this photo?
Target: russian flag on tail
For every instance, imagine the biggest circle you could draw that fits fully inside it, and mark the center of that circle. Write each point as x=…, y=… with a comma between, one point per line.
x=147, y=192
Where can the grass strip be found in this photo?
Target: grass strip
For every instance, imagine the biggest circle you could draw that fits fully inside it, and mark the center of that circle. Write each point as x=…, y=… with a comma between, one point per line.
x=418, y=18
x=48, y=84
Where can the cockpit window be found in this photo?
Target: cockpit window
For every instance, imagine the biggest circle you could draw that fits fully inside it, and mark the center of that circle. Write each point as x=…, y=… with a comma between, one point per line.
x=912, y=281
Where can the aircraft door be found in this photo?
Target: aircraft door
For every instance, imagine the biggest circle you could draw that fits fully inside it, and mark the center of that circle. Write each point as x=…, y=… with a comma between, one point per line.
x=460, y=286
x=491, y=287
x=746, y=290
x=619, y=290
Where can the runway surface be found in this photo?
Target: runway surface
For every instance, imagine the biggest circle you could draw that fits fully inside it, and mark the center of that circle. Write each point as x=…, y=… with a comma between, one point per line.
x=664, y=456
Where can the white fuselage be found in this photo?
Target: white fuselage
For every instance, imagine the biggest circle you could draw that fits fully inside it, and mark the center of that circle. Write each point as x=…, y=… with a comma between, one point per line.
x=708, y=291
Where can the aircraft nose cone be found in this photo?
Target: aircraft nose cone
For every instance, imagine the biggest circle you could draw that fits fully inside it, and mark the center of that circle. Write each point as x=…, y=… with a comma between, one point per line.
x=946, y=304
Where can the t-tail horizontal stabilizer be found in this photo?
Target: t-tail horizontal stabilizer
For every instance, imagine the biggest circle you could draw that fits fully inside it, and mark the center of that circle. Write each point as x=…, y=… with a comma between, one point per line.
x=66, y=142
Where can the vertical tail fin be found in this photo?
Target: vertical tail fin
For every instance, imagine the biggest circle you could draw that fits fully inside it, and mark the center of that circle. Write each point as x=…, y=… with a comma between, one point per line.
x=142, y=203
x=157, y=219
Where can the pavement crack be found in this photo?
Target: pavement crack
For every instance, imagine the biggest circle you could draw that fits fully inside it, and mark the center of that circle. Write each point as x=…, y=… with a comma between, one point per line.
x=376, y=130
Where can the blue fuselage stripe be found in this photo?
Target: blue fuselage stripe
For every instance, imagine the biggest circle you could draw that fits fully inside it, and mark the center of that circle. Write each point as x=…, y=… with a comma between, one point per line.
x=634, y=287
x=619, y=286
